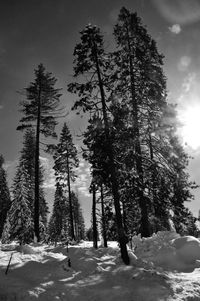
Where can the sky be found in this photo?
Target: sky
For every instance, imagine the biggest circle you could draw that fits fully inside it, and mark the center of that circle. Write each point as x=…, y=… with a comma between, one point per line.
x=35, y=31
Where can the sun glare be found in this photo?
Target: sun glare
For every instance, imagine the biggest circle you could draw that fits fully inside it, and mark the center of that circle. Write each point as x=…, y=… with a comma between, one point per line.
x=190, y=131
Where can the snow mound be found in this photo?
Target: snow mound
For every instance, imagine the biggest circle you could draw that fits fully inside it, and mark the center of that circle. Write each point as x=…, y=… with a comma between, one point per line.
x=187, y=249
x=147, y=248
x=25, y=249
x=167, y=250
x=96, y=274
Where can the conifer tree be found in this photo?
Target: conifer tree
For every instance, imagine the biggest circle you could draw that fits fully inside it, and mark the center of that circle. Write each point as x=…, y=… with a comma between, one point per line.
x=66, y=160
x=5, y=201
x=27, y=159
x=141, y=85
x=40, y=110
x=24, y=180
x=92, y=62
x=19, y=220
x=147, y=146
x=79, y=223
x=58, y=226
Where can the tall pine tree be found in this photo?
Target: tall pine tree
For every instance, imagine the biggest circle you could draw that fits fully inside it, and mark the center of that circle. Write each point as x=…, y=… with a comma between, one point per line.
x=147, y=147
x=91, y=62
x=66, y=160
x=19, y=223
x=5, y=201
x=40, y=110
x=24, y=180
x=58, y=225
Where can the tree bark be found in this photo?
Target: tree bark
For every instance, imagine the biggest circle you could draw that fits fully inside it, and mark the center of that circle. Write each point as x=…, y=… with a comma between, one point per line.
x=94, y=220
x=70, y=202
x=121, y=234
x=145, y=228
x=37, y=163
x=103, y=219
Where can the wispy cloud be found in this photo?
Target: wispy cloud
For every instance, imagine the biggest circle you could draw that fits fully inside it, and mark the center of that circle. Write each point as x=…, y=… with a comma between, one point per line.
x=10, y=164
x=184, y=63
x=189, y=89
x=10, y=168
x=188, y=82
x=182, y=12
x=81, y=183
x=50, y=180
x=44, y=160
x=176, y=28
x=83, y=179
x=114, y=15
x=1, y=107
x=49, y=177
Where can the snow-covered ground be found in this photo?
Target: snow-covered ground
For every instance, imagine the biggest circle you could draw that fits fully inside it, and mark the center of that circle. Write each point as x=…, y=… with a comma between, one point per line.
x=163, y=267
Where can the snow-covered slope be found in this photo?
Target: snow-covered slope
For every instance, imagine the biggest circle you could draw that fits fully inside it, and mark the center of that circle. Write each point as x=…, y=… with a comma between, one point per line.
x=42, y=272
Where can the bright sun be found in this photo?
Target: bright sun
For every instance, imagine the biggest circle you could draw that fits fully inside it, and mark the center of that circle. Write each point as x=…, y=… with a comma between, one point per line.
x=190, y=118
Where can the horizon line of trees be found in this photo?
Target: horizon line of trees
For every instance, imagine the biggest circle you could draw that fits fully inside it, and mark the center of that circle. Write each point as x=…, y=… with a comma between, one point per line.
x=138, y=166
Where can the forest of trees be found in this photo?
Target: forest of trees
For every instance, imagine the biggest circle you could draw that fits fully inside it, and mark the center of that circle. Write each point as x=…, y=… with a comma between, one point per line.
x=139, y=179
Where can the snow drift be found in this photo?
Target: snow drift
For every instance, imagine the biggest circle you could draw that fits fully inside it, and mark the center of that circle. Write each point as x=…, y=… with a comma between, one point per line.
x=42, y=273
x=169, y=251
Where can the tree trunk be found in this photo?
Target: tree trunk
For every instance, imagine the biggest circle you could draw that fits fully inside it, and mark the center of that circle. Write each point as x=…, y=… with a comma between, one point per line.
x=94, y=220
x=124, y=217
x=153, y=177
x=121, y=234
x=145, y=228
x=103, y=219
x=37, y=166
x=70, y=202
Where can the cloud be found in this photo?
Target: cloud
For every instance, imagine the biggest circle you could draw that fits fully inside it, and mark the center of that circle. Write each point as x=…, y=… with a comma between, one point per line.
x=184, y=63
x=179, y=11
x=44, y=160
x=1, y=107
x=189, y=94
x=188, y=82
x=10, y=168
x=83, y=179
x=50, y=180
x=10, y=165
x=49, y=177
x=81, y=183
x=114, y=14
x=84, y=191
x=81, y=164
x=107, y=29
x=176, y=28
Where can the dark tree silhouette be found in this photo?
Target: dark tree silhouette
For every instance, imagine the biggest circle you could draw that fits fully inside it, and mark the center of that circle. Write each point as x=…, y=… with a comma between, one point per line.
x=40, y=111
x=66, y=160
x=90, y=60
x=5, y=200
